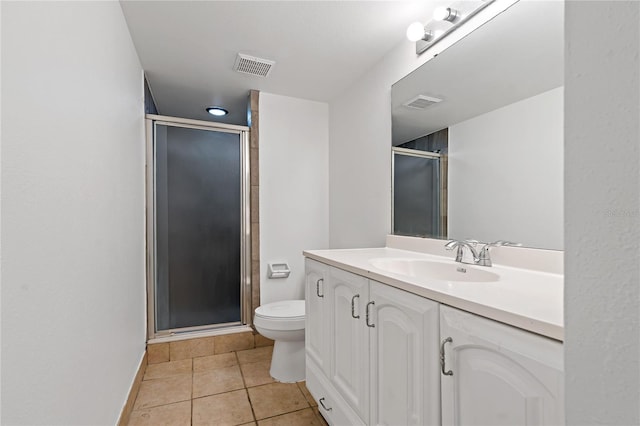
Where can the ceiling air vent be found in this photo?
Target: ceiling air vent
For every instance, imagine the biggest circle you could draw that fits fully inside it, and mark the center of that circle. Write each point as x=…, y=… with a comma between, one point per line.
x=421, y=102
x=251, y=65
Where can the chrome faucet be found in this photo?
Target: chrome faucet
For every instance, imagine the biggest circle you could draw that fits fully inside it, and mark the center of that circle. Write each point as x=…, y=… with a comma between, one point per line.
x=482, y=258
x=461, y=246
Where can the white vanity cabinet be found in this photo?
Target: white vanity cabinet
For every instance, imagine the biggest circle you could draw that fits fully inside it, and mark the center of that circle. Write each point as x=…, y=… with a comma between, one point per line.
x=380, y=351
x=378, y=355
x=405, y=385
x=495, y=374
x=315, y=345
x=348, y=339
x=322, y=288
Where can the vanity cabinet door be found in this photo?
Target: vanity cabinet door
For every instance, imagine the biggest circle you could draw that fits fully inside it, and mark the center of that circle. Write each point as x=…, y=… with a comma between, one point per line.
x=405, y=382
x=316, y=275
x=347, y=295
x=499, y=375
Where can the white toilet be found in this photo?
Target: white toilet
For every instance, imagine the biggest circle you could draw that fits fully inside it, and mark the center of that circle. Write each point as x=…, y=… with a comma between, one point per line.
x=283, y=322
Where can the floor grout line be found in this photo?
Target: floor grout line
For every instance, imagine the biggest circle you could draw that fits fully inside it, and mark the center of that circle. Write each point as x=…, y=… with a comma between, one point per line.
x=193, y=372
x=288, y=412
x=244, y=384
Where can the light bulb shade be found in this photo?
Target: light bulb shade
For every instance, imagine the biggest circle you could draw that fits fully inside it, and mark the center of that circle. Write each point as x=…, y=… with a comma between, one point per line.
x=415, y=31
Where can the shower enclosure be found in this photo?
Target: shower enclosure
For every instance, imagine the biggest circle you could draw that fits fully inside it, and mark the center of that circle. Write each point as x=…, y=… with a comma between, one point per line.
x=198, y=230
x=419, y=203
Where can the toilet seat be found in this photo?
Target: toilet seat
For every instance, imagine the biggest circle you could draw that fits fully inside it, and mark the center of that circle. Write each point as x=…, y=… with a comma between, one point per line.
x=285, y=315
x=286, y=309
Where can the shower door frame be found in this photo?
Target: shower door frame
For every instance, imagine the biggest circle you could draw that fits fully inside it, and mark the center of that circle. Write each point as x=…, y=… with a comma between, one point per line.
x=151, y=120
x=442, y=186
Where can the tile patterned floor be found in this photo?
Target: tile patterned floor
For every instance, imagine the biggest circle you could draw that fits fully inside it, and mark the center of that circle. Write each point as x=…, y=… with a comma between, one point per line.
x=232, y=388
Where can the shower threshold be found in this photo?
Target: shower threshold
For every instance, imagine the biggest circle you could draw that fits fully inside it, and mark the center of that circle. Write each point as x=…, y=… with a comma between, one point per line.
x=193, y=334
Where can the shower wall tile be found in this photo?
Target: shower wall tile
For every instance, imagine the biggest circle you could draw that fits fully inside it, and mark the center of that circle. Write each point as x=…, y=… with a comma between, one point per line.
x=255, y=206
x=254, y=158
x=255, y=241
x=158, y=353
x=254, y=164
x=255, y=285
x=254, y=97
x=192, y=348
x=255, y=129
x=234, y=342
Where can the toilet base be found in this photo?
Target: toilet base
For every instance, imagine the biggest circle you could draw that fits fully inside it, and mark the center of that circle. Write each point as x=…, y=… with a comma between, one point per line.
x=287, y=362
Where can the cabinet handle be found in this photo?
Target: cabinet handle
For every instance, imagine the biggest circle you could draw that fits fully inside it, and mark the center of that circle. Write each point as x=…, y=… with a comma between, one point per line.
x=318, y=287
x=353, y=306
x=444, y=342
x=321, y=401
x=367, y=316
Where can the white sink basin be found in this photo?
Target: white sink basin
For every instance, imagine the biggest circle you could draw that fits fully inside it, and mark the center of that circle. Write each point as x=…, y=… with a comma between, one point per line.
x=430, y=269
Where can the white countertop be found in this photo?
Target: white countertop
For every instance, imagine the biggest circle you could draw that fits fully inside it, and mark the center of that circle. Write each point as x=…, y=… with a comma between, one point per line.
x=527, y=299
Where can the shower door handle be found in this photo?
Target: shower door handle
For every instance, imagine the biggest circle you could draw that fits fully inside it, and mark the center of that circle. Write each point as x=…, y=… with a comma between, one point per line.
x=321, y=280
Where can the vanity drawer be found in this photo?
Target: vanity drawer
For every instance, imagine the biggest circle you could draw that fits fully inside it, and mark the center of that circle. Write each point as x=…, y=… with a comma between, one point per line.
x=331, y=405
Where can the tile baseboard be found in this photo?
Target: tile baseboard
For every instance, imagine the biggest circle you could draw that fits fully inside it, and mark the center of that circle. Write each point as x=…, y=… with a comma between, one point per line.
x=133, y=392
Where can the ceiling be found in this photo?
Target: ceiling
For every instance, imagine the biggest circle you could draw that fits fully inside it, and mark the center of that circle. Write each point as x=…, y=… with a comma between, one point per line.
x=188, y=48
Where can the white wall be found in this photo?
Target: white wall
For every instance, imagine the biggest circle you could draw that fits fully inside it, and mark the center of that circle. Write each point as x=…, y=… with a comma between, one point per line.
x=73, y=298
x=520, y=199
x=294, y=213
x=601, y=208
x=360, y=141
x=602, y=211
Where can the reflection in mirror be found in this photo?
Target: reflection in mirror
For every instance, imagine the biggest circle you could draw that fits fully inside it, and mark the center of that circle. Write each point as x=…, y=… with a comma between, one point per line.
x=501, y=91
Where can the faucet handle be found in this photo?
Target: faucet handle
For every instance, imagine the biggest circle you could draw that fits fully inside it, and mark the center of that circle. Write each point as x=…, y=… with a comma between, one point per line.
x=456, y=244
x=485, y=259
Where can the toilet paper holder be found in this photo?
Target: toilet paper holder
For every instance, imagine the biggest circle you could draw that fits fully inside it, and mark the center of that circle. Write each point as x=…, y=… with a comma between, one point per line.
x=278, y=270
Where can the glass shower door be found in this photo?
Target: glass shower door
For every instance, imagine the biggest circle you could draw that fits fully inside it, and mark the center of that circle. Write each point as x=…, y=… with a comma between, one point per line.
x=199, y=206
x=417, y=194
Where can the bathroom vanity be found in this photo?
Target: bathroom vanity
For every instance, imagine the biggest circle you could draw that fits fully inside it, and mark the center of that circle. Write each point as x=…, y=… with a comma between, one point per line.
x=401, y=337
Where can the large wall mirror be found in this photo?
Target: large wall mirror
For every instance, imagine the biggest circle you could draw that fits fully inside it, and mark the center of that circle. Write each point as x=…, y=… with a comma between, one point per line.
x=489, y=111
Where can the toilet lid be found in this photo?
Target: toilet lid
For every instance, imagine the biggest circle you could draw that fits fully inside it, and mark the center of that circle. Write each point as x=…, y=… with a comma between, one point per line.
x=285, y=309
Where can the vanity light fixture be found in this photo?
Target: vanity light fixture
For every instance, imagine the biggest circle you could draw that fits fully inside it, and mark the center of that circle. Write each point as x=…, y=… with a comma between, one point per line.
x=445, y=21
x=416, y=31
x=217, y=111
x=446, y=14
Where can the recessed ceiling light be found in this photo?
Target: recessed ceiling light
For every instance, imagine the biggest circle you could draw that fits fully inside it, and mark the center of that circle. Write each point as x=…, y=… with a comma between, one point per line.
x=217, y=111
